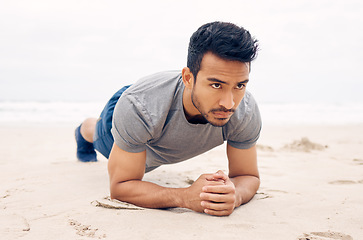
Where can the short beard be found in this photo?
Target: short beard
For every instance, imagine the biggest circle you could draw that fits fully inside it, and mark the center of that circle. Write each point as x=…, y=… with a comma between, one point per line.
x=203, y=117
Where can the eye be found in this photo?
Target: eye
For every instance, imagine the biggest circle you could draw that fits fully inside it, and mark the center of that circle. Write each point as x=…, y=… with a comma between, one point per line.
x=241, y=86
x=216, y=85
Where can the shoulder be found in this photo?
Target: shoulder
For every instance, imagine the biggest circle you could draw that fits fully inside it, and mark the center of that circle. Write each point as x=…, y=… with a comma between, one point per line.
x=246, y=109
x=142, y=109
x=244, y=127
x=155, y=91
x=155, y=83
x=245, y=119
x=151, y=97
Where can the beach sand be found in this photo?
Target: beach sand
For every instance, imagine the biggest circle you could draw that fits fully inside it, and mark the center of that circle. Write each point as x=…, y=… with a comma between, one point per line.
x=311, y=188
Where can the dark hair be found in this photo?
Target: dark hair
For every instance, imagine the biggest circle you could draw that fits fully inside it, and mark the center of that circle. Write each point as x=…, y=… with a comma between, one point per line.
x=225, y=40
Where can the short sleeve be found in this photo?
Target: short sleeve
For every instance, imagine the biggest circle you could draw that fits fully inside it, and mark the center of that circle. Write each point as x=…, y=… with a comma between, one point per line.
x=246, y=131
x=131, y=124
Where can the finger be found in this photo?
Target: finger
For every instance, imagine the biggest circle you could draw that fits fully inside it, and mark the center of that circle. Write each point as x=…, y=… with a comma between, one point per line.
x=217, y=198
x=221, y=189
x=215, y=177
x=216, y=206
x=218, y=213
x=220, y=175
x=220, y=172
x=215, y=182
x=211, y=197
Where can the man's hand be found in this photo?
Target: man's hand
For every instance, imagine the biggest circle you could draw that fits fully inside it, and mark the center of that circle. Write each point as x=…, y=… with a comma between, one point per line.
x=192, y=194
x=213, y=194
x=218, y=199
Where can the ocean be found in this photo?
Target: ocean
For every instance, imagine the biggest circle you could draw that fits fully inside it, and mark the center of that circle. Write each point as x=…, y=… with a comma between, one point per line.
x=69, y=112
x=310, y=52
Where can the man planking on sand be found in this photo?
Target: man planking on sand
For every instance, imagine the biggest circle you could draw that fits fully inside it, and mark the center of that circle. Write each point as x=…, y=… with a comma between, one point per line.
x=172, y=116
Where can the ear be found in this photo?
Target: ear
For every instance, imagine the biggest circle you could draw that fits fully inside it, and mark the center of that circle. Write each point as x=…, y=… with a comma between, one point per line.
x=188, y=78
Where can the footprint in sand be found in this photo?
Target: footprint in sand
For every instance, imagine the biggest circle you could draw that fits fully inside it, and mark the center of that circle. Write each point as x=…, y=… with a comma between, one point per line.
x=85, y=230
x=325, y=236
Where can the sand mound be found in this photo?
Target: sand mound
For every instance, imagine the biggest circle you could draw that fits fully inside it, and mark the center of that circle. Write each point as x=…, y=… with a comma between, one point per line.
x=304, y=145
x=264, y=148
x=325, y=236
x=107, y=202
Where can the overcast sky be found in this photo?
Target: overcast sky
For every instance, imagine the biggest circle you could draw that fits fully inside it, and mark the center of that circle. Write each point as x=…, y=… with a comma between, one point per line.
x=311, y=50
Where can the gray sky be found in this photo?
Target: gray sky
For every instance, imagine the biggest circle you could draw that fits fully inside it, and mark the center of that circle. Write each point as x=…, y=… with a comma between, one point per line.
x=86, y=50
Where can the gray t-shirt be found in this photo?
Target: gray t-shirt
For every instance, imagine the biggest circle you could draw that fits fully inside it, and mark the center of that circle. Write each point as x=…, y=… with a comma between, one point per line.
x=150, y=116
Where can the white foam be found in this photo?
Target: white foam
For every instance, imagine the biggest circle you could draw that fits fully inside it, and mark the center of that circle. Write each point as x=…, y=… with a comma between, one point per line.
x=75, y=112
x=332, y=114
x=68, y=112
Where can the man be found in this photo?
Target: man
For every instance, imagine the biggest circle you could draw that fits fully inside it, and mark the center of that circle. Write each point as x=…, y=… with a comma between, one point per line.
x=169, y=117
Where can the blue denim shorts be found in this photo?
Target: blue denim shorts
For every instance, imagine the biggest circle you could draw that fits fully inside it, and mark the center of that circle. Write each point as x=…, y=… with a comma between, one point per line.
x=102, y=139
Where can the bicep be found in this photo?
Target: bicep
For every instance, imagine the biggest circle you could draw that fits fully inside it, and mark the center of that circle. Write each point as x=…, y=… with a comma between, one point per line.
x=124, y=166
x=242, y=162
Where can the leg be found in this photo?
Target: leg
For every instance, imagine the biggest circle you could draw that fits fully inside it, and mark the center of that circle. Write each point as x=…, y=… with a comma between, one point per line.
x=88, y=129
x=96, y=133
x=84, y=138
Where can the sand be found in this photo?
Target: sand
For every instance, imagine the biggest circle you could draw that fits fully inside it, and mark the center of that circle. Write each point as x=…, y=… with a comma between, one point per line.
x=311, y=188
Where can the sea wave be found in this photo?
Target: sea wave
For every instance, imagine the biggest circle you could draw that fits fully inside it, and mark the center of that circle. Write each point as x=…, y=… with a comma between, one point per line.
x=272, y=113
x=317, y=113
x=67, y=112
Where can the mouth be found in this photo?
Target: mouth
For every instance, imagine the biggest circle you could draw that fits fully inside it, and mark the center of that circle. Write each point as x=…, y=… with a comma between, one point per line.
x=222, y=114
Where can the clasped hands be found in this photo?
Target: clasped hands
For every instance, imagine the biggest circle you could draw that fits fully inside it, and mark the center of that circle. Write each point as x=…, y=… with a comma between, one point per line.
x=213, y=194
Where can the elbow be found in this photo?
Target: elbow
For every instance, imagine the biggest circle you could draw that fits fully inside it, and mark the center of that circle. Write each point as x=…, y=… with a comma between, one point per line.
x=116, y=190
x=120, y=190
x=113, y=194
x=258, y=182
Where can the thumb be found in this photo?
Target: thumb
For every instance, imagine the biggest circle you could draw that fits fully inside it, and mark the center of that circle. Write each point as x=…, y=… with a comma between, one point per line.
x=220, y=175
x=220, y=172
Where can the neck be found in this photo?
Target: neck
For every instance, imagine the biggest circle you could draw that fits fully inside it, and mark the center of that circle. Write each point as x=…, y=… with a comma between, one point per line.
x=191, y=112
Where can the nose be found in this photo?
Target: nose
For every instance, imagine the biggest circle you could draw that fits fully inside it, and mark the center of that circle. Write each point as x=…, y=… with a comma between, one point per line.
x=227, y=100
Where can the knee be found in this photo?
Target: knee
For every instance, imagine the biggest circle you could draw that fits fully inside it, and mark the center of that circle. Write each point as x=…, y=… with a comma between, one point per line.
x=89, y=123
x=88, y=128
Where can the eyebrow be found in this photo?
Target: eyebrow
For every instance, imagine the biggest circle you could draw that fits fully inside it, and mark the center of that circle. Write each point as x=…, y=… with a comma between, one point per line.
x=220, y=81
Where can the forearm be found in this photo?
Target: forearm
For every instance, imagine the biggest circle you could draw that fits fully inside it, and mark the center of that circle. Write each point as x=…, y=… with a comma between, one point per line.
x=246, y=188
x=147, y=194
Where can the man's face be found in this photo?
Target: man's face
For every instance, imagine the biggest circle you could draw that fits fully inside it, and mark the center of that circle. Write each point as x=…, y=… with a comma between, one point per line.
x=219, y=88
